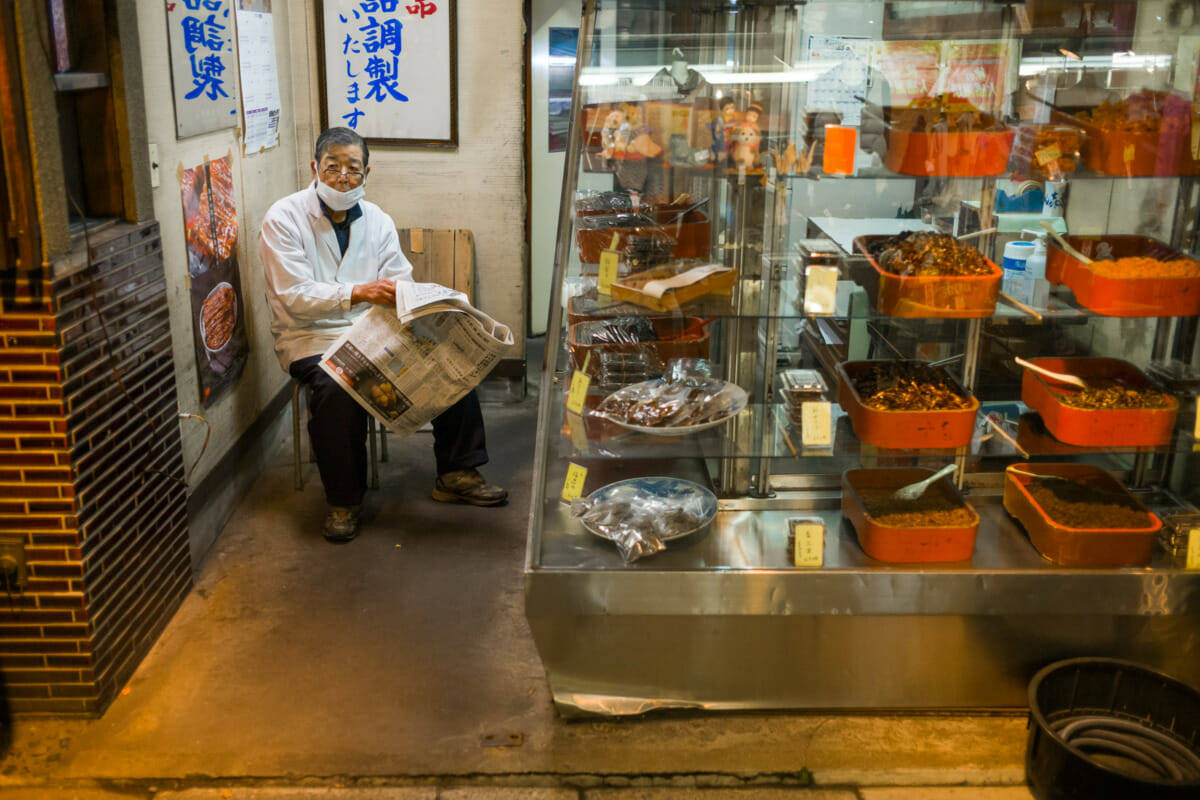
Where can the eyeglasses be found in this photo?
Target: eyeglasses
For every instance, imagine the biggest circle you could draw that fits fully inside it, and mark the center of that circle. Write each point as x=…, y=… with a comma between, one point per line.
x=333, y=173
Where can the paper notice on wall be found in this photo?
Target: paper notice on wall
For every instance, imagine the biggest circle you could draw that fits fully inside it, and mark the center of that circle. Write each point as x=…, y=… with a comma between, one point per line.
x=260, y=80
x=842, y=84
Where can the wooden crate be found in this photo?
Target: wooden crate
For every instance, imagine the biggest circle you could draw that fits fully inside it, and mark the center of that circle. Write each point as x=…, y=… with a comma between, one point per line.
x=445, y=256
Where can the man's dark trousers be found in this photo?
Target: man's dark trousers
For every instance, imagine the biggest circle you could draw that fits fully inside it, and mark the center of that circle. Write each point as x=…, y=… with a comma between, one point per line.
x=337, y=427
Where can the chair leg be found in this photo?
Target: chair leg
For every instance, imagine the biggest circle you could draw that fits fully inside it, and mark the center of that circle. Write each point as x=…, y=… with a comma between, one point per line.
x=297, y=461
x=371, y=447
x=383, y=432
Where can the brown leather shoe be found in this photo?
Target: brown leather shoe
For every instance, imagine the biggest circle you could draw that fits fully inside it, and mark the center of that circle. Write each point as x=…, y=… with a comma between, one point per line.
x=341, y=524
x=468, y=486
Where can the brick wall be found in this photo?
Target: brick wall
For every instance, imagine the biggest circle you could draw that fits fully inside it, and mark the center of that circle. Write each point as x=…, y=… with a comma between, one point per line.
x=91, y=476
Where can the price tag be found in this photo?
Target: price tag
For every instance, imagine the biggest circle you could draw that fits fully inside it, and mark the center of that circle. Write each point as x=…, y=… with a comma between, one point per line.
x=808, y=543
x=1196, y=428
x=816, y=423
x=573, y=485
x=1193, y=549
x=1048, y=154
x=578, y=431
x=609, y=261
x=578, y=391
x=820, y=290
x=1129, y=153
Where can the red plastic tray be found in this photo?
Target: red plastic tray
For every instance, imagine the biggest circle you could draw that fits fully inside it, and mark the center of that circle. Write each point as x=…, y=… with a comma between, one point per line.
x=691, y=233
x=669, y=344
x=943, y=153
x=1135, y=427
x=1137, y=154
x=903, y=430
x=899, y=544
x=1122, y=297
x=965, y=297
x=1078, y=547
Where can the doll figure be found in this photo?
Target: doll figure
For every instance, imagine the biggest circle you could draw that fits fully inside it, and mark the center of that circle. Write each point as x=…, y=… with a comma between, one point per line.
x=614, y=136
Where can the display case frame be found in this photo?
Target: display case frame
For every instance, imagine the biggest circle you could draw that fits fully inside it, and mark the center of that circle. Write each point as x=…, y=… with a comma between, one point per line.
x=724, y=619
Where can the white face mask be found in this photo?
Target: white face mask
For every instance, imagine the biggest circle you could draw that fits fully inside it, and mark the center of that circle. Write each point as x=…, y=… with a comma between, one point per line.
x=339, y=201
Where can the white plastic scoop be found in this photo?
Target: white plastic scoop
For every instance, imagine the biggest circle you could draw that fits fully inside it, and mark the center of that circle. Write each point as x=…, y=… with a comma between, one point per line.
x=1058, y=376
x=915, y=490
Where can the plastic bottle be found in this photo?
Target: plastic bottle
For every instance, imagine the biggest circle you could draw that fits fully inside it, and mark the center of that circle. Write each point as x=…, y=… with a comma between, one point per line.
x=1035, y=271
x=1016, y=283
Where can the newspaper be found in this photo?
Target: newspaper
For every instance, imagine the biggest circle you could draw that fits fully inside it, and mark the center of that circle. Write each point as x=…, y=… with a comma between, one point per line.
x=406, y=367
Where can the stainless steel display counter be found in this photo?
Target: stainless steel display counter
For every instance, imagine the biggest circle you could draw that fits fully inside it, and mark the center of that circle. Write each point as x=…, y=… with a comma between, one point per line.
x=720, y=621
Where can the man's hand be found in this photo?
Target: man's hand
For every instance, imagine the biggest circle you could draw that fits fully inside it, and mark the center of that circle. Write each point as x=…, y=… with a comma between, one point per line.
x=381, y=292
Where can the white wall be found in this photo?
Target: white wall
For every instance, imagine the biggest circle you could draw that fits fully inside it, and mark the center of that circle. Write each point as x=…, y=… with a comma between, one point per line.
x=259, y=180
x=546, y=168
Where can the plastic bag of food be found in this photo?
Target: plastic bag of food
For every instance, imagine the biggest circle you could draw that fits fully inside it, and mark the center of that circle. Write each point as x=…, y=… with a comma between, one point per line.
x=637, y=521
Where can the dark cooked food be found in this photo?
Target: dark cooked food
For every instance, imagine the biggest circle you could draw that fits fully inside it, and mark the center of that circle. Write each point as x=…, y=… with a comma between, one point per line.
x=930, y=510
x=690, y=401
x=630, y=508
x=928, y=254
x=1097, y=397
x=908, y=386
x=619, y=220
x=1081, y=505
x=217, y=317
x=625, y=330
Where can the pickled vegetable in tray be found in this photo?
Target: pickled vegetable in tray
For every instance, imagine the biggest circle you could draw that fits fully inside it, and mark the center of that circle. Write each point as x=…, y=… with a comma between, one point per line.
x=908, y=386
x=925, y=253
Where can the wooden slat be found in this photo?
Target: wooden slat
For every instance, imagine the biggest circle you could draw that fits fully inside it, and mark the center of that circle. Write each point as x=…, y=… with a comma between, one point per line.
x=464, y=263
x=447, y=257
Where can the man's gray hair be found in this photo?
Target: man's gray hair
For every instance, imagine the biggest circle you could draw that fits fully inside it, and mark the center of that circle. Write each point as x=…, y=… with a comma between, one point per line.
x=339, y=136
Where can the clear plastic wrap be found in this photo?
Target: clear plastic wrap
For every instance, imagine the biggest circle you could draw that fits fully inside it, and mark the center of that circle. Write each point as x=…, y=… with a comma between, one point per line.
x=600, y=202
x=638, y=521
x=679, y=400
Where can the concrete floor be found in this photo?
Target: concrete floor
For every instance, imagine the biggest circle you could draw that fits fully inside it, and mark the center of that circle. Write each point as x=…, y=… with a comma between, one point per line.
x=386, y=668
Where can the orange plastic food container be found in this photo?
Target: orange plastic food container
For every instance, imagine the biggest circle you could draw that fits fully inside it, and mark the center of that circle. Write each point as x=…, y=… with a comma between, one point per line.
x=1127, y=427
x=677, y=337
x=957, y=297
x=1078, y=547
x=904, y=430
x=941, y=152
x=690, y=230
x=1122, y=297
x=1137, y=153
x=905, y=544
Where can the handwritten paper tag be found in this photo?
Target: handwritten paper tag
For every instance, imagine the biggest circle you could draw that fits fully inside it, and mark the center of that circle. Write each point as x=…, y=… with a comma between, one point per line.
x=609, y=262
x=808, y=543
x=1048, y=154
x=578, y=391
x=816, y=423
x=1193, y=549
x=573, y=485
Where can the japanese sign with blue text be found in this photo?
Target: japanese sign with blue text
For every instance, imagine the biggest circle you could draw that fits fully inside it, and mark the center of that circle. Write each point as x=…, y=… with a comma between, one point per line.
x=388, y=69
x=203, y=65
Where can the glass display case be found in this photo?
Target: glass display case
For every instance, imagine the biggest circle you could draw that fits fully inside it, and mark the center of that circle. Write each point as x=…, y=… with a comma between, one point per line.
x=812, y=253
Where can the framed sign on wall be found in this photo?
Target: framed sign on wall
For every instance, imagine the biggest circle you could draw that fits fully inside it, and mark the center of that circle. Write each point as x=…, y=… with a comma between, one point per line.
x=388, y=70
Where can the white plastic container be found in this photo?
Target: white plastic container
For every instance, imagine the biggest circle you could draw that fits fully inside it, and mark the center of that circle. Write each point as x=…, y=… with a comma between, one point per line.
x=1016, y=283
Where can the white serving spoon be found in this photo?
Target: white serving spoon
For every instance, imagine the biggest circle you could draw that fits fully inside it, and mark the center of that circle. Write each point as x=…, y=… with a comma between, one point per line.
x=1058, y=376
x=915, y=490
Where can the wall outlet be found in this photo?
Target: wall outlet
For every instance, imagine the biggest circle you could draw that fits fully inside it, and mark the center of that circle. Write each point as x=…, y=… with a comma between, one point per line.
x=154, y=179
x=14, y=576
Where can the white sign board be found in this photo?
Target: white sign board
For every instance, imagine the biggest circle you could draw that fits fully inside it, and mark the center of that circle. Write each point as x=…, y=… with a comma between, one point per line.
x=388, y=69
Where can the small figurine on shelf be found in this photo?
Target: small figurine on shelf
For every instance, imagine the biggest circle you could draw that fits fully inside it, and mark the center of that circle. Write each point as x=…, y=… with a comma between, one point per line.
x=745, y=138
